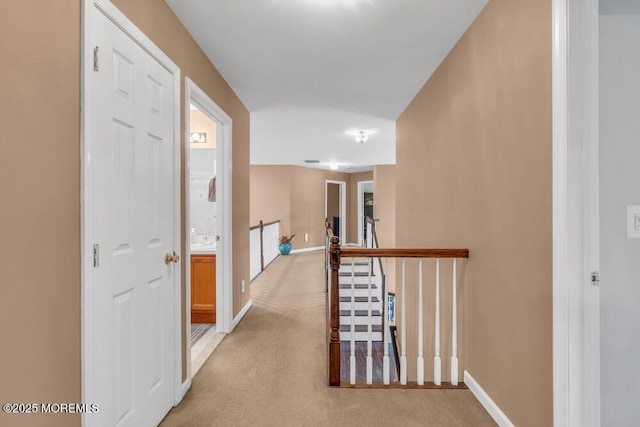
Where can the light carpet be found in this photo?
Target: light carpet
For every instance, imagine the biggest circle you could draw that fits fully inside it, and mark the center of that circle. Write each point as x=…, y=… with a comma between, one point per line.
x=272, y=370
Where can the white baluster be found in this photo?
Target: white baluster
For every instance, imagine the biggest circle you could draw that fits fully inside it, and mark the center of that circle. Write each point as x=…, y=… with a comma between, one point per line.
x=420, y=328
x=437, y=363
x=454, y=332
x=370, y=328
x=385, y=329
x=403, y=332
x=352, y=358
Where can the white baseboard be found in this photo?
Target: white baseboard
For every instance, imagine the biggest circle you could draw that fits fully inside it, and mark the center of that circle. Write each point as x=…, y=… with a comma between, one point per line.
x=315, y=248
x=186, y=385
x=496, y=413
x=240, y=315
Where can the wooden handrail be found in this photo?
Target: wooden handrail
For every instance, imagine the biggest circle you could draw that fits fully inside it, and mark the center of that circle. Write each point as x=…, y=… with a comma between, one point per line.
x=350, y=252
x=265, y=224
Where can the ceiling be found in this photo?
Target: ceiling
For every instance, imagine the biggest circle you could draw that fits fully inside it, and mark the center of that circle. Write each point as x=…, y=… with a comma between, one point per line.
x=309, y=71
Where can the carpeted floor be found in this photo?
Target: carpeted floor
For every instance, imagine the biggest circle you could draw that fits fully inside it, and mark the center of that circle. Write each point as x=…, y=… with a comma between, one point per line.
x=271, y=371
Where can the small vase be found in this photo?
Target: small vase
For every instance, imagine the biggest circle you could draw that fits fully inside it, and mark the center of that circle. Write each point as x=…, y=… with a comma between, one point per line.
x=285, y=248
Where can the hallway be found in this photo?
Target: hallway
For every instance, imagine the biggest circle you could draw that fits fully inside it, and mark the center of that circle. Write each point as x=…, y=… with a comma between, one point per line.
x=271, y=371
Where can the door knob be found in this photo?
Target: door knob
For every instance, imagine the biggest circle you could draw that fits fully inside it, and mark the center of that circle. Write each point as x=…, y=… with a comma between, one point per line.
x=168, y=258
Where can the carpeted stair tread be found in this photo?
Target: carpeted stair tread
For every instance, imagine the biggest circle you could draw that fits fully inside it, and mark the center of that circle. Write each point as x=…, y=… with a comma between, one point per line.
x=374, y=313
x=359, y=299
x=357, y=286
x=361, y=328
x=356, y=274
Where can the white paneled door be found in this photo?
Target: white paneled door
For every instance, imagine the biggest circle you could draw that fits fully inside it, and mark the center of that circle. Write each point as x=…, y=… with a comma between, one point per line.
x=131, y=164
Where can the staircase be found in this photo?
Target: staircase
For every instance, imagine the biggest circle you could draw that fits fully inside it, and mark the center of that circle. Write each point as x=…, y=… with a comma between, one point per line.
x=358, y=338
x=354, y=276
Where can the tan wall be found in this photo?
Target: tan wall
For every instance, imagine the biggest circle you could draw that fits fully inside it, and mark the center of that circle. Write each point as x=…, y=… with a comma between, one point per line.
x=41, y=288
x=354, y=178
x=199, y=122
x=40, y=169
x=474, y=170
x=273, y=185
x=271, y=196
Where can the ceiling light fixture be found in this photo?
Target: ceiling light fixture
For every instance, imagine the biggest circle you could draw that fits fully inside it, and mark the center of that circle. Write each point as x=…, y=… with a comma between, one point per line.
x=361, y=136
x=333, y=166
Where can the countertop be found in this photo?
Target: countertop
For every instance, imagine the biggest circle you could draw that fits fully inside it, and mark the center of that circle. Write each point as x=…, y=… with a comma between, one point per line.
x=200, y=249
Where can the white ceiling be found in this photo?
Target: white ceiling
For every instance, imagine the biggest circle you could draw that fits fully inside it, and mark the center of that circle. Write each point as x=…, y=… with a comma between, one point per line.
x=310, y=70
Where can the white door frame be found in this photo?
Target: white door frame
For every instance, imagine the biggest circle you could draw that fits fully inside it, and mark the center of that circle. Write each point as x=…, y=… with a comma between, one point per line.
x=343, y=206
x=361, y=210
x=224, y=261
x=89, y=9
x=576, y=357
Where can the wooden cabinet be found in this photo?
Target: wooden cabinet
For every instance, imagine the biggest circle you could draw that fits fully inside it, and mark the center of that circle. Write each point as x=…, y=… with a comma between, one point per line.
x=203, y=289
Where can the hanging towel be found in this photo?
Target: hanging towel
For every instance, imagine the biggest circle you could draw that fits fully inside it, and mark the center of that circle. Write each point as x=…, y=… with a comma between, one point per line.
x=212, y=190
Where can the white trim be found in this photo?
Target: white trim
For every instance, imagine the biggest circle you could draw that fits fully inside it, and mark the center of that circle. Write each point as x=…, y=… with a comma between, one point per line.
x=591, y=213
x=560, y=220
x=576, y=399
x=89, y=8
x=496, y=413
x=240, y=315
x=343, y=205
x=224, y=262
x=186, y=385
x=314, y=248
x=360, y=194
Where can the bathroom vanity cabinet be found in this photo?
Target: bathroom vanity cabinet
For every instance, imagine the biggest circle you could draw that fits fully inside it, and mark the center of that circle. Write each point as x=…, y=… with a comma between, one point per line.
x=203, y=288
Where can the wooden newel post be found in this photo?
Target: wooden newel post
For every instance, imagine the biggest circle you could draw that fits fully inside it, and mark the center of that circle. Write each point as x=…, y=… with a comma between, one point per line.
x=334, y=323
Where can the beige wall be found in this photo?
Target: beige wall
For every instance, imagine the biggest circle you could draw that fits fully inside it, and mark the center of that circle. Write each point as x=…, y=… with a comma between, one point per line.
x=294, y=195
x=41, y=288
x=354, y=178
x=474, y=170
x=271, y=191
x=199, y=122
x=40, y=169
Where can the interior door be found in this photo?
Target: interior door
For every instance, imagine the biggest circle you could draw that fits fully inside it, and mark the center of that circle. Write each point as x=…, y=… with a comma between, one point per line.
x=619, y=28
x=132, y=171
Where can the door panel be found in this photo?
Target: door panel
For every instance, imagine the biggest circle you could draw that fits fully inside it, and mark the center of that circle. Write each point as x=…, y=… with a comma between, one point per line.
x=132, y=172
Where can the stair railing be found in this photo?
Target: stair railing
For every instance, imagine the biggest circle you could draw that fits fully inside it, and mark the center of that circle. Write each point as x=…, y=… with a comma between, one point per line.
x=335, y=255
x=261, y=254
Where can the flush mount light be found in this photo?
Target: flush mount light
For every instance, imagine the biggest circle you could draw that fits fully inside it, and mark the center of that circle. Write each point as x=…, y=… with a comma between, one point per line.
x=361, y=136
x=333, y=166
x=198, y=138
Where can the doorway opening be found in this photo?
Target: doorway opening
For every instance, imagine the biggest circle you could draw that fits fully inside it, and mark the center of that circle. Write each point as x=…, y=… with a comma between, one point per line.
x=365, y=209
x=209, y=298
x=335, y=201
